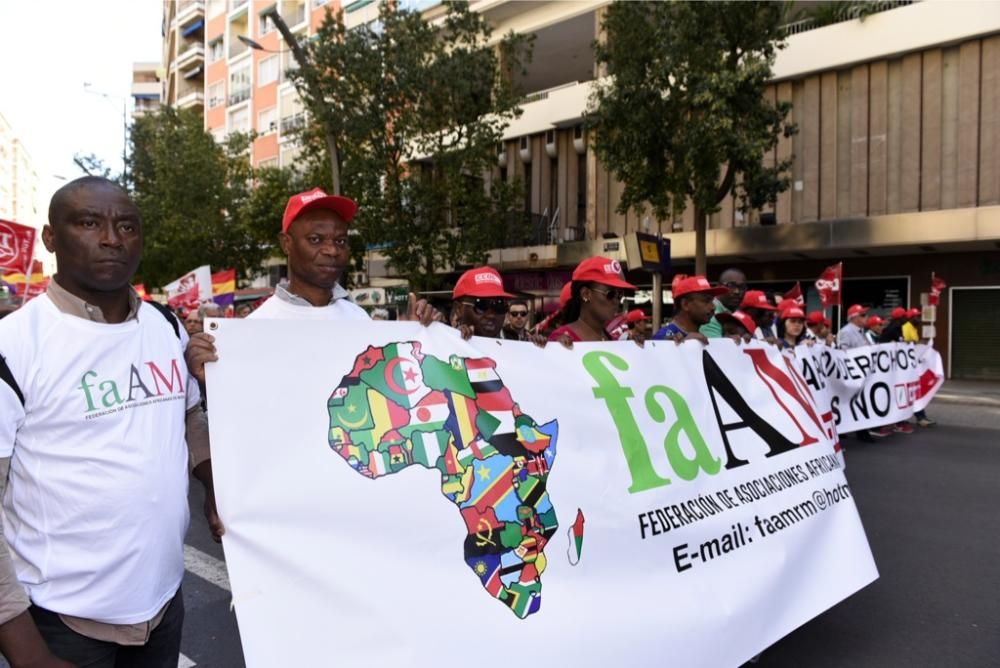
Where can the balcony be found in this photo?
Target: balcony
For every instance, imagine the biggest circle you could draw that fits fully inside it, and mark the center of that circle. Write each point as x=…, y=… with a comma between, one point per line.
x=239, y=95
x=191, y=100
x=193, y=54
x=293, y=123
x=189, y=12
x=293, y=12
x=147, y=89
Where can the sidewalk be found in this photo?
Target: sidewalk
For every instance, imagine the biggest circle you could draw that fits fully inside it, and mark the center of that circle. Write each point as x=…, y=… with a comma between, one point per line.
x=972, y=392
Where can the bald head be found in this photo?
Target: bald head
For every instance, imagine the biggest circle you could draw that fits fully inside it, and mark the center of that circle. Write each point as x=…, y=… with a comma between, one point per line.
x=60, y=200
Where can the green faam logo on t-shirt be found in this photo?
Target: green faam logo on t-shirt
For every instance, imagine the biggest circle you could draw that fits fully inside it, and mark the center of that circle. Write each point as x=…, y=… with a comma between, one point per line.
x=147, y=384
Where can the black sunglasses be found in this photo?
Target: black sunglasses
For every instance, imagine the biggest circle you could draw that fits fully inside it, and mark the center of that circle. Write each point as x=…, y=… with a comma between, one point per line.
x=519, y=314
x=483, y=304
x=613, y=294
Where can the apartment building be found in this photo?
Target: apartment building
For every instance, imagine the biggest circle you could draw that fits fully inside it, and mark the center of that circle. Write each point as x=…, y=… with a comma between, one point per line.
x=19, y=184
x=896, y=166
x=183, y=77
x=147, y=87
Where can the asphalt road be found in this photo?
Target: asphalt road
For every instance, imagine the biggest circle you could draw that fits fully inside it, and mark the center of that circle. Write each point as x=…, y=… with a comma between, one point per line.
x=929, y=503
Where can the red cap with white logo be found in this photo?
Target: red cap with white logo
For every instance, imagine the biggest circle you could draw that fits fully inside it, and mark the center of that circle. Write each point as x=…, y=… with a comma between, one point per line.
x=740, y=317
x=480, y=282
x=601, y=270
x=757, y=299
x=856, y=309
x=686, y=285
x=344, y=207
x=793, y=312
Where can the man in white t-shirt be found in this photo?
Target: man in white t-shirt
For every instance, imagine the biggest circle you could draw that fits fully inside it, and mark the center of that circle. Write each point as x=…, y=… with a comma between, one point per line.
x=99, y=421
x=314, y=238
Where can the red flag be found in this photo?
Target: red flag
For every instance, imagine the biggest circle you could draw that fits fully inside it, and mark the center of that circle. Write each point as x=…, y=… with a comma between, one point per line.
x=829, y=283
x=937, y=286
x=795, y=294
x=17, y=246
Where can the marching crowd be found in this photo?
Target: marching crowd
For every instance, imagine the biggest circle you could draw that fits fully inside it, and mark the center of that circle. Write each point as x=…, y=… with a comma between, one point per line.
x=102, y=401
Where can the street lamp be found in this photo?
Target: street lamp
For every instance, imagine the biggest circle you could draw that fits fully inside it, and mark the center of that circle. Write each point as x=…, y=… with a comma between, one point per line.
x=88, y=89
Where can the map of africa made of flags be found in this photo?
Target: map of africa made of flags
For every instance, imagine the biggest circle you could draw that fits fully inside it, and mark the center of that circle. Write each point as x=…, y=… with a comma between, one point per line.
x=399, y=407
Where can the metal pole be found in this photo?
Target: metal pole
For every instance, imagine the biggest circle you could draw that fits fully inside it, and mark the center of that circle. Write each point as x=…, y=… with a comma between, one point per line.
x=657, y=300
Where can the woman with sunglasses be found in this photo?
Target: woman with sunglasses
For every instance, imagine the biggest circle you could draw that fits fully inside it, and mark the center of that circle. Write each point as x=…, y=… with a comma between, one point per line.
x=595, y=300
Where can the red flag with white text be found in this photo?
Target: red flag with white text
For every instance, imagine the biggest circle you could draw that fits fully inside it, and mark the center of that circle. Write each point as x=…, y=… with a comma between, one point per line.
x=795, y=294
x=829, y=284
x=17, y=246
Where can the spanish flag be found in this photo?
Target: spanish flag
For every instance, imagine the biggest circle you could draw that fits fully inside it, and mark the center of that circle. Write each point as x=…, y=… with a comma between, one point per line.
x=28, y=286
x=224, y=287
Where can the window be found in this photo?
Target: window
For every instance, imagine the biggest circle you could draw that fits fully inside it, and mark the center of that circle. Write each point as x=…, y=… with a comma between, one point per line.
x=270, y=163
x=264, y=25
x=217, y=94
x=216, y=50
x=239, y=120
x=267, y=121
x=239, y=85
x=289, y=156
x=218, y=134
x=267, y=71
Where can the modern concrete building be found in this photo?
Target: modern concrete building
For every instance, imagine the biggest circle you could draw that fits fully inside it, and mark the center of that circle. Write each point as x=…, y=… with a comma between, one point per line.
x=896, y=163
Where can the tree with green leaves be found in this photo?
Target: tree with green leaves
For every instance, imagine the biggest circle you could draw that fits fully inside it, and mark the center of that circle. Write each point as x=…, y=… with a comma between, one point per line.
x=201, y=202
x=418, y=110
x=683, y=117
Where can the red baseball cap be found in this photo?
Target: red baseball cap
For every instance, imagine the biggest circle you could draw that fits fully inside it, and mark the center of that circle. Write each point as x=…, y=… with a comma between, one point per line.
x=788, y=303
x=565, y=294
x=913, y=313
x=815, y=318
x=686, y=285
x=601, y=270
x=757, y=299
x=636, y=315
x=480, y=282
x=793, y=312
x=874, y=321
x=344, y=207
x=856, y=309
x=897, y=313
x=739, y=317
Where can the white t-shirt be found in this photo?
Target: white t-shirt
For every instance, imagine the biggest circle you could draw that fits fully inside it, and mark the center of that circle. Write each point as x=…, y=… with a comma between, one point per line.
x=276, y=308
x=96, y=509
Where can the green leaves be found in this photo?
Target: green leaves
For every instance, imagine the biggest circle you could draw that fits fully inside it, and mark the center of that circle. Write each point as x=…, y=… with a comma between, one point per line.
x=198, y=199
x=684, y=107
x=417, y=111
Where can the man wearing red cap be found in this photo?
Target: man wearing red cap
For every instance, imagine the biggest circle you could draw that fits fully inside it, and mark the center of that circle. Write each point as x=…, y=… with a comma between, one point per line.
x=759, y=307
x=694, y=306
x=314, y=237
x=852, y=335
x=873, y=328
x=482, y=303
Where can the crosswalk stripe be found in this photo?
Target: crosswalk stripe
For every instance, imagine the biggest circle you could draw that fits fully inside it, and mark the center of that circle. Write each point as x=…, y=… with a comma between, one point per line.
x=185, y=662
x=206, y=567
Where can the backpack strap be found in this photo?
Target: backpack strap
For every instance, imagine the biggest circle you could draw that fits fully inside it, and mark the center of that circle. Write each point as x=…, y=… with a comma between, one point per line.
x=7, y=376
x=171, y=318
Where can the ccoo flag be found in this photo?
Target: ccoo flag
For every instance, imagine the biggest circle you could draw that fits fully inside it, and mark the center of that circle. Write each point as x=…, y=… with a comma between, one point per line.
x=829, y=284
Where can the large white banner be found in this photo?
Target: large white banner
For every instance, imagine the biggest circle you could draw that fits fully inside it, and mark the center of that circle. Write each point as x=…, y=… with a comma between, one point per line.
x=872, y=386
x=395, y=496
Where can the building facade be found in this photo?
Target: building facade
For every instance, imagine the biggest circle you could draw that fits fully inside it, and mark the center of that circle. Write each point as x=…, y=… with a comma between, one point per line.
x=183, y=79
x=19, y=183
x=896, y=167
x=147, y=88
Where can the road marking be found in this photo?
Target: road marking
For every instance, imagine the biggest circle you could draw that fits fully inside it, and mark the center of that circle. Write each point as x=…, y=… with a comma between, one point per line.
x=206, y=567
x=185, y=662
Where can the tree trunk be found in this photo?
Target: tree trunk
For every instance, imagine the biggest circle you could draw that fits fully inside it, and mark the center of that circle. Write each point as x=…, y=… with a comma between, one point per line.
x=331, y=147
x=700, y=226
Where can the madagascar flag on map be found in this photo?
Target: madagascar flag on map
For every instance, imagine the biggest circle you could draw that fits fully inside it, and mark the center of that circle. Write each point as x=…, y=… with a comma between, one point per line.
x=224, y=287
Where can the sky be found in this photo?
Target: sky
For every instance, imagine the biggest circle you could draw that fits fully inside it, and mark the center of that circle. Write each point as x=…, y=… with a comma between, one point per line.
x=48, y=50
